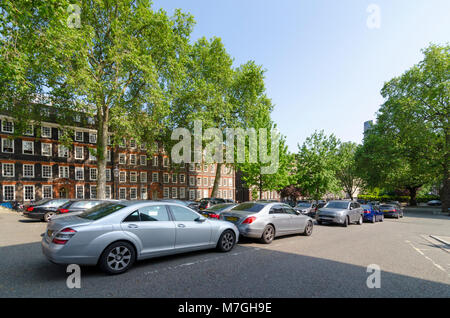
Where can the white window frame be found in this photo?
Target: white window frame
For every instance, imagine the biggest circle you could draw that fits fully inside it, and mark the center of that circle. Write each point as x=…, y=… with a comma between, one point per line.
x=153, y=177
x=63, y=151
x=5, y=121
x=27, y=133
x=43, y=191
x=182, y=193
x=166, y=193
x=124, y=179
x=13, y=170
x=76, y=191
x=12, y=144
x=91, y=187
x=166, y=180
x=144, y=191
x=133, y=159
x=174, y=192
x=50, y=150
x=143, y=177
x=24, y=192
x=155, y=161
x=143, y=160
x=28, y=165
x=13, y=192
x=122, y=159
x=120, y=193
x=77, y=169
x=45, y=135
x=82, y=135
x=90, y=174
x=50, y=169
x=133, y=176
x=182, y=178
x=92, y=138
x=24, y=142
x=65, y=171
x=82, y=152
x=135, y=196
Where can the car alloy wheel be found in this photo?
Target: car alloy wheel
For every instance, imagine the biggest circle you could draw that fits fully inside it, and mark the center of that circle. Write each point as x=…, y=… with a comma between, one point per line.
x=268, y=234
x=227, y=241
x=345, y=224
x=117, y=258
x=308, y=229
x=48, y=216
x=360, y=221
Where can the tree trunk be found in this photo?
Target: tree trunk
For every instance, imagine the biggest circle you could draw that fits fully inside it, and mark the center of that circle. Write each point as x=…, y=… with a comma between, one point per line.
x=217, y=180
x=260, y=187
x=102, y=149
x=413, y=195
x=445, y=193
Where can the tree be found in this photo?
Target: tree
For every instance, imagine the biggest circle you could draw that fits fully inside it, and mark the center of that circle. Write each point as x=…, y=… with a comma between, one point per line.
x=346, y=172
x=292, y=192
x=253, y=176
x=316, y=165
x=121, y=64
x=410, y=144
x=219, y=95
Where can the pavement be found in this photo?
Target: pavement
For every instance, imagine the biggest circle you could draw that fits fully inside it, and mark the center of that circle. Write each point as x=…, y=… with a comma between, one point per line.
x=333, y=262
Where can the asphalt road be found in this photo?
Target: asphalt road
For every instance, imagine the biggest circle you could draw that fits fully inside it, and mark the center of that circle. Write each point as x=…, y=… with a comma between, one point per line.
x=331, y=263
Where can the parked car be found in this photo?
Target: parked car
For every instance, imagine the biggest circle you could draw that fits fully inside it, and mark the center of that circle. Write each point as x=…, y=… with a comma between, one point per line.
x=116, y=234
x=309, y=209
x=372, y=213
x=341, y=212
x=321, y=205
x=215, y=211
x=73, y=206
x=391, y=210
x=44, y=209
x=267, y=220
x=190, y=204
x=209, y=202
x=434, y=203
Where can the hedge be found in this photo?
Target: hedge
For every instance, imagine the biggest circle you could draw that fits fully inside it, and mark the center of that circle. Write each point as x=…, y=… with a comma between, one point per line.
x=404, y=198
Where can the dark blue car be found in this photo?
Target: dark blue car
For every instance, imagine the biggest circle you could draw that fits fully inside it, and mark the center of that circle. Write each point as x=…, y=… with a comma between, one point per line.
x=372, y=213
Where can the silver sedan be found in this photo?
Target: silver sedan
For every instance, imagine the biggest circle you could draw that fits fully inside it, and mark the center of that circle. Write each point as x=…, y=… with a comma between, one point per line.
x=267, y=220
x=115, y=234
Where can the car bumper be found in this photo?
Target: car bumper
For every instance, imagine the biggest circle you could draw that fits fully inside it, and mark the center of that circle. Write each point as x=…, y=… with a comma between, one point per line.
x=248, y=231
x=391, y=214
x=36, y=216
x=368, y=217
x=56, y=254
x=331, y=218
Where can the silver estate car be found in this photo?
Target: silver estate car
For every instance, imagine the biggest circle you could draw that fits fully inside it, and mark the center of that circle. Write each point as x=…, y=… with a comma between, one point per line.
x=267, y=220
x=342, y=212
x=113, y=235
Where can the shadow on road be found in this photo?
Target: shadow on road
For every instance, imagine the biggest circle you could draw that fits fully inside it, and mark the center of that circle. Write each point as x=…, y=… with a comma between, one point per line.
x=245, y=272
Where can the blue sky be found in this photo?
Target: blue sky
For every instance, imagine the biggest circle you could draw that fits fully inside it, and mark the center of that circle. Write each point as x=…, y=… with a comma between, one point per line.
x=325, y=67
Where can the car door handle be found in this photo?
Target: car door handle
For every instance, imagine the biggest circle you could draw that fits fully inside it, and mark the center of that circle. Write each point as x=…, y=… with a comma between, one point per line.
x=132, y=226
x=181, y=225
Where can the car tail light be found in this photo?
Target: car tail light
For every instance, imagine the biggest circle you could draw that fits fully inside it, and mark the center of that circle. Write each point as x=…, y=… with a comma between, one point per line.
x=366, y=211
x=63, y=210
x=214, y=216
x=63, y=236
x=249, y=220
x=30, y=208
x=394, y=210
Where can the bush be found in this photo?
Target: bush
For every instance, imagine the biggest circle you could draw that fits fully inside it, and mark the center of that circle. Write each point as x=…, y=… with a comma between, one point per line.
x=402, y=198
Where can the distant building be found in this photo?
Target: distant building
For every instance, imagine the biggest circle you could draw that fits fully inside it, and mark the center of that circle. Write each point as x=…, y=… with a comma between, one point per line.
x=367, y=125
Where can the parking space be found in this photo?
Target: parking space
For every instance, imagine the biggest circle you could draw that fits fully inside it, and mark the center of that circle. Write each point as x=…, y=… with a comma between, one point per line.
x=332, y=262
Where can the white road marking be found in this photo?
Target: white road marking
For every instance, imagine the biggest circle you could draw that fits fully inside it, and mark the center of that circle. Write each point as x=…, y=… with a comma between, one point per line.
x=426, y=257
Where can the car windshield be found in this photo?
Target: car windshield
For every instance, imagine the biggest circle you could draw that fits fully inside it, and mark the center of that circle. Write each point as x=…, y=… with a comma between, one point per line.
x=218, y=207
x=248, y=207
x=304, y=205
x=337, y=205
x=387, y=206
x=100, y=211
x=41, y=202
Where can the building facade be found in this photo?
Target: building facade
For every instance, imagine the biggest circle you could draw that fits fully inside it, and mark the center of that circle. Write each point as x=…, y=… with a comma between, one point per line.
x=37, y=165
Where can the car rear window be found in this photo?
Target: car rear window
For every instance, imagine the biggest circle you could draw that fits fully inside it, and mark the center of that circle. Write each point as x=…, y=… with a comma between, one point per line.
x=248, y=207
x=100, y=211
x=218, y=207
x=337, y=205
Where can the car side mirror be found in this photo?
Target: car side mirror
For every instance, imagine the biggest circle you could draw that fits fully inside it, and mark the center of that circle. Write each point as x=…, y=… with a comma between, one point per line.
x=200, y=219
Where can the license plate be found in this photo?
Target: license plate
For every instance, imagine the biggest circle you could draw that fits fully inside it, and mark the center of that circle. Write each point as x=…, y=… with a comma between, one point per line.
x=232, y=218
x=386, y=211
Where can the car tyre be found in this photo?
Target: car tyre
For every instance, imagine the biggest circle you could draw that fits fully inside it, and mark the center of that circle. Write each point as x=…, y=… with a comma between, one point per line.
x=319, y=222
x=227, y=241
x=48, y=216
x=374, y=219
x=345, y=224
x=268, y=234
x=308, y=229
x=117, y=258
x=360, y=221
